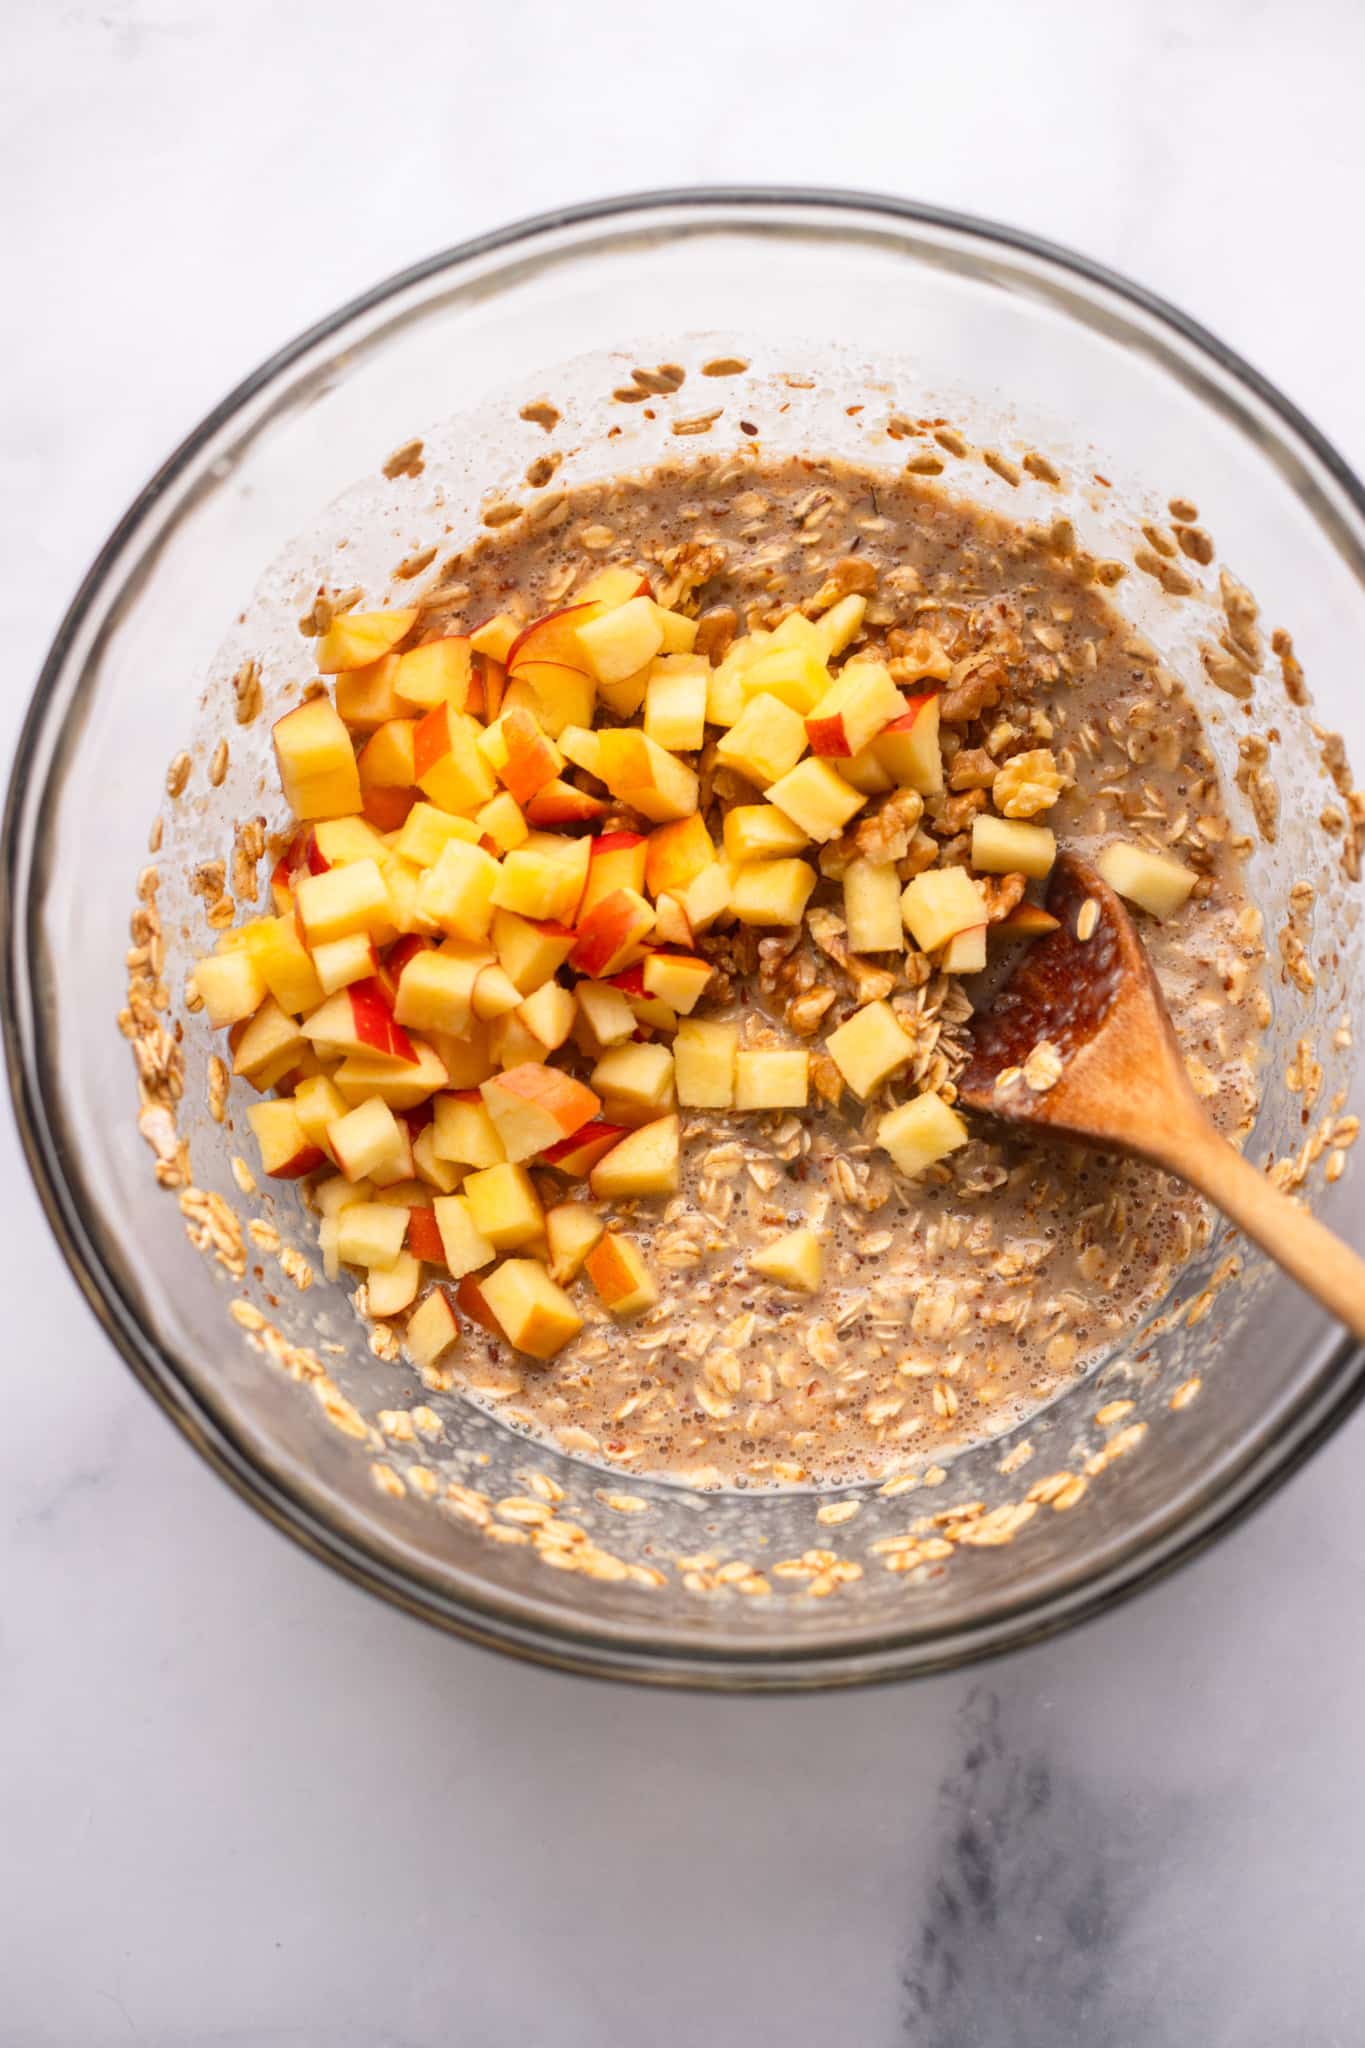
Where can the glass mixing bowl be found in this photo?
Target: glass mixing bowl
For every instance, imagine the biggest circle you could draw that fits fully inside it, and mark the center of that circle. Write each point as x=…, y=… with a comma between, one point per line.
x=1023, y=347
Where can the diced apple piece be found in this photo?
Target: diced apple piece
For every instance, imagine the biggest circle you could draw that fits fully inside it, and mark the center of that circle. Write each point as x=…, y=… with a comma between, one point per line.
x=520, y=754
x=387, y=757
x=426, y=831
x=354, y=639
x=641, y=774
x=470, y=1302
x=269, y=1045
x=468, y=1059
x=513, y=1045
x=465, y=1133
x=318, y=1102
x=344, y=900
x=438, y=672
x=290, y=974
x=609, y=1017
x=359, y=1019
x=872, y=907
x=841, y=624
x=497, y=636
x=816, y=797
x=335, y=841
x=671, y=926
x=366, y=697
x=504, y=1205
x=369, y=1143
x=705, y=899
x=644, y=1163
x=772, y=1077
x=337, y=1193
x=613, y=586
x=761, y=832
x=501, y=820
x=869, y=1048
x=794, y=1260
x=534, y=1106
x=559, y=803
x=232, y=986
x=866, y=772
x=765, y=742
x=531, y=953
x=611, y=933
x=622, y=639
x=921, y=1132
x=858, y=704
x=436, y=1172
x=435, y=991
x=623, y=1281
x=401, y=1087
x=535, y=1315
x=634, y=1081
x=725, y=698
x=1025, y=921
x=909, y=749
x=549, y=1014
x=370, y=1233
x=571, y=1231
x=617, y=861
x=771, y=891
x=495, y=993
x=318, y=772
x=675, y=853
x=576, y=1156
x=1004, y=846
x=1156, y=884
x=391, y=1289
x=449, y=767
x=704, y=1059
x=675, y=701
x=583, y=747
x=464, y=1245
x=965, y=952
x=939, y=903
x=432, y=1328
x=680, y=633
x=796, y=630
x=457, y=892
x=543, y=880
x=679, y=979
x=795, y=675
x=286, y=1149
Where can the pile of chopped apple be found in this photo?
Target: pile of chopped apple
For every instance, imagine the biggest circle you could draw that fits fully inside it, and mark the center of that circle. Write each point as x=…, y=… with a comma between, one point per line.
x=468, y=976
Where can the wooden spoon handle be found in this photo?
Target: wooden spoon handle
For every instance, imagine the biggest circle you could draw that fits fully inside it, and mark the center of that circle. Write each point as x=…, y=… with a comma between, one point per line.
x=1328, y=1269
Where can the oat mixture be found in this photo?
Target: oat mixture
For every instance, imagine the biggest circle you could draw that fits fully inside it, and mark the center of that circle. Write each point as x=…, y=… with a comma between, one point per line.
x=819, y=1289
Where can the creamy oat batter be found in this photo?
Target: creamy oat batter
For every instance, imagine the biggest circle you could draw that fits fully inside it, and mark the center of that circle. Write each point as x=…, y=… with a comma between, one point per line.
x=954, y=1302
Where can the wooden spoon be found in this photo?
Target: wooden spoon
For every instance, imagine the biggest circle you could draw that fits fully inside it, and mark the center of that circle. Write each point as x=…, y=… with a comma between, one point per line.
x=1123, y=1083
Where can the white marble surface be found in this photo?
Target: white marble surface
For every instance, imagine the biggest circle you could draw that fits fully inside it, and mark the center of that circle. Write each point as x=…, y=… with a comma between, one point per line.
x=239, y=1802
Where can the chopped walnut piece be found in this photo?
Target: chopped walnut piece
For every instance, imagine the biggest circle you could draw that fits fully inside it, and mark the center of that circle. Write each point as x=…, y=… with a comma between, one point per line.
x=1028, y=783
x=973, y=768
x=716, y=630
x=885, y=835
x=977, y=687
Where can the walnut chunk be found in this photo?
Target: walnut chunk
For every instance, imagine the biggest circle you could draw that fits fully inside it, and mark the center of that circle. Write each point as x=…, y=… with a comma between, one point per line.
x=716, y=630
x=1028, y=783
x=978, y=686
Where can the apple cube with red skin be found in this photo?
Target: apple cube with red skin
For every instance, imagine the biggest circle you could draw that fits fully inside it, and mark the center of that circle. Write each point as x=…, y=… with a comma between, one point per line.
x=921, y=1132
x=855, y=708
x=367, y=1138
x=354, y=639
x=231, y=985
x=534, y=1106
x=463, y=1245
x=639, y=771
x=534, y=1314
x=611, y=933
x=286, y=1149
x=704, y=1058
x=546, y=659
x=559, y=803
x=643, y=1163
x=909, y=748
x=359, y=1019
x=617, y=861
x=675, y=854
x=679, y=979
x=520, y=754
x=449, y=767
x=869, y=1048
x=432, y=1328
x=623, y=1281
x=318, y=772
x=1025, y=921
x=504, y=1205
x=424, y=1236
x=815, y=796
x=438, y=672
x=576, y=1156
x=571, y=1231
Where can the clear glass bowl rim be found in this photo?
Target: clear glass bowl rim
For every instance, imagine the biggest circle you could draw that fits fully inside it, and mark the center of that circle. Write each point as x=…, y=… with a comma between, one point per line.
x=1340, y=1381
